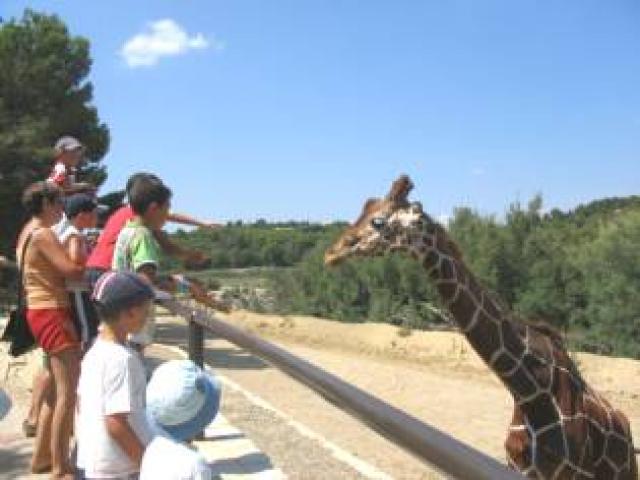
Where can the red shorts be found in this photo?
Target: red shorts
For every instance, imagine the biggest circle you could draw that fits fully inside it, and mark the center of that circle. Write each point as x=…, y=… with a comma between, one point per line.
x=53, y=329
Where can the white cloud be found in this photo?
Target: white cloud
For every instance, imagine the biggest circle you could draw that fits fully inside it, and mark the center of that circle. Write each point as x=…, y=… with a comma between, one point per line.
x=477, y=171
x=162, y=38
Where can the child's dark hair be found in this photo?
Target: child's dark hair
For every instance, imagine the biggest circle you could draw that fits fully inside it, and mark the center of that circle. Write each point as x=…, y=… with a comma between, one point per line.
x=146, y=190
x=37, y=193
x=131, y=181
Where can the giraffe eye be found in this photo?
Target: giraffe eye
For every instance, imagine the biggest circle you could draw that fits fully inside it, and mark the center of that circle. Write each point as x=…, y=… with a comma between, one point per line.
x=378, y=223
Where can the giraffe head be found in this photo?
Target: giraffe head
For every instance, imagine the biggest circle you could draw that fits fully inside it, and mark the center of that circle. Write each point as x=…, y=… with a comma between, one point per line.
x=381, y=227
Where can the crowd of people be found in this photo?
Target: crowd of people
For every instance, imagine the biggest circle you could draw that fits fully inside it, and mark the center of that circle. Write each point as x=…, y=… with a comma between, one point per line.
x=90, y=311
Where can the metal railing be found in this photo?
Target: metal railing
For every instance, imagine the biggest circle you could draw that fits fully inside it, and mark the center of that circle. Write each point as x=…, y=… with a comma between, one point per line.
x=452, y=457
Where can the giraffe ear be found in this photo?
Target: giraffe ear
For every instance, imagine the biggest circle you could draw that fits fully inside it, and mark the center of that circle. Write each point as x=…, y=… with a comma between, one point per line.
x=400, y=189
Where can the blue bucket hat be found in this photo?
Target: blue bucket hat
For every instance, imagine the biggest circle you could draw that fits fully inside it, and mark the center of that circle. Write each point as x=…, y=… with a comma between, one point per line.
x=182, y=399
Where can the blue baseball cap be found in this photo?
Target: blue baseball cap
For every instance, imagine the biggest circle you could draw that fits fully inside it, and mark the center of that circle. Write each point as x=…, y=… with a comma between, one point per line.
x=115, y=291
x=182, y=399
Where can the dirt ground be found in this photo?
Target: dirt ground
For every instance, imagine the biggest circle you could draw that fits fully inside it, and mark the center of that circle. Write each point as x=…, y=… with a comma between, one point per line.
x=434, y=376
x=15, y=382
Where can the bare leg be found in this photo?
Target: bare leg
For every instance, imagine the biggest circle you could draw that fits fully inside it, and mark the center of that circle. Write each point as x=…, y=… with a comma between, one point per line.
x=41, y=382
x=65, y=367
x=41, y=459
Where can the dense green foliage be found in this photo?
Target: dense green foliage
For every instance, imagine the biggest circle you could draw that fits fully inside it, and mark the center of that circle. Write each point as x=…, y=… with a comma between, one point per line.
x=257, y=244
x=578, y=270
x=609, y=265
x=44, y=94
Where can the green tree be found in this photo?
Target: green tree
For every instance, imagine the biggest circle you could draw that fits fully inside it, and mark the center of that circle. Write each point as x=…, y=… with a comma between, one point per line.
x=550, y=276
x=482, y=241
x=610, y=322
x=511, y=267
x=576, y=270
x=44, y=93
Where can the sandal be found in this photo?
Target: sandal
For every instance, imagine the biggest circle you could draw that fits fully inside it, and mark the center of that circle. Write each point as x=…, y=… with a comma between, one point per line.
x=29, y=429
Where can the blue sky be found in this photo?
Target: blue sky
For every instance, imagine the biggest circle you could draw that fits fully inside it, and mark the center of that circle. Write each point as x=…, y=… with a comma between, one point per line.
x=303, y=109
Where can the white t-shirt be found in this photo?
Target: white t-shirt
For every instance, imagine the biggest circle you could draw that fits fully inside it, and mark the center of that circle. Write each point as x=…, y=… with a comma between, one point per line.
x=112, y=380
x=166, y=459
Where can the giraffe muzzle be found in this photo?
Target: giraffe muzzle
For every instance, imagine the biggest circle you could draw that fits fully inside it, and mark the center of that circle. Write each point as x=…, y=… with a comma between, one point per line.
x=332, y=259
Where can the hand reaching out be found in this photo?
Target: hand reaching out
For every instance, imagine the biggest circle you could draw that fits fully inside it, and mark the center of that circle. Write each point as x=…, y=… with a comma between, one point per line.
x=199, y=293
x=196, y=260
x=212, y=225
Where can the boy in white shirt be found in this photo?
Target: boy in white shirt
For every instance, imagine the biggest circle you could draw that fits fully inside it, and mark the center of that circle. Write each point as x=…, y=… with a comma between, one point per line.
x=112, y=429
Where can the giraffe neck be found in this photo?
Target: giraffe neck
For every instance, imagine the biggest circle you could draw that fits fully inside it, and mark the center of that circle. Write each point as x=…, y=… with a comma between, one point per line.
x=486, y=324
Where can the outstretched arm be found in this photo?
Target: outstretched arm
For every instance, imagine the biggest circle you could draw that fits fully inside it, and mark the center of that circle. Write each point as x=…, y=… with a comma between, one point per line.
x=199, y=293
x=192, y=221
x=174, y=250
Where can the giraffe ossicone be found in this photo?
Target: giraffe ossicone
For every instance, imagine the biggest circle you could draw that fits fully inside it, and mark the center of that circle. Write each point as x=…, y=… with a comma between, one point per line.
x=561, y=428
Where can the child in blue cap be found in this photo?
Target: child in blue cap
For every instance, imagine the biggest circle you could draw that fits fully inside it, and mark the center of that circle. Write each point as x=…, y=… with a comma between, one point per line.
x=112, y=429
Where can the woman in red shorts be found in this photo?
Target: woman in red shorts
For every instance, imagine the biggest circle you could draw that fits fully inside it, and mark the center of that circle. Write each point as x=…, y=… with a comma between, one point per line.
x=46, y=265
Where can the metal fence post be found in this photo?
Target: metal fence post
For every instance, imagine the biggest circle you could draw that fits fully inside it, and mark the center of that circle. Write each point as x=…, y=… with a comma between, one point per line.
x=196, y=349
x=196, y=342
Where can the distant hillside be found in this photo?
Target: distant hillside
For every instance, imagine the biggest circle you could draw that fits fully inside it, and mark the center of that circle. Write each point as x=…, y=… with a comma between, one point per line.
x=577, y=270
x=258, y=244
x=283, y=244
x=598, y=210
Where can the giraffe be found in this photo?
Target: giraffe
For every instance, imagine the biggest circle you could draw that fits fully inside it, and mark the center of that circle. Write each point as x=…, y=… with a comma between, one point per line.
x=561, y=428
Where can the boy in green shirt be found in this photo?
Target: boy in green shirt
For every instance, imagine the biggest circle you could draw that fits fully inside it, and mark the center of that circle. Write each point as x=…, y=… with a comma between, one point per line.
x=137, y=250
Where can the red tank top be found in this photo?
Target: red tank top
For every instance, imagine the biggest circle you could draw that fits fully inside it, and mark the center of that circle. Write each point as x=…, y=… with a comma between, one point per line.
x=103, y=251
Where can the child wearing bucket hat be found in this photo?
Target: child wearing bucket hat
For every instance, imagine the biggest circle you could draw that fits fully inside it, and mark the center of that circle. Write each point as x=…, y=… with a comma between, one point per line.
x=112, y=429
x=182, y=400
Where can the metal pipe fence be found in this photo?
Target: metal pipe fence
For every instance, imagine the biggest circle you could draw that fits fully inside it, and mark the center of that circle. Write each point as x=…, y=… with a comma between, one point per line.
x=449, y=455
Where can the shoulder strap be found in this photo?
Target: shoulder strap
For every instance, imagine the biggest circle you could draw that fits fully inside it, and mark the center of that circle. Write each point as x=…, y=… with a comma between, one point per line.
x=21, y=293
